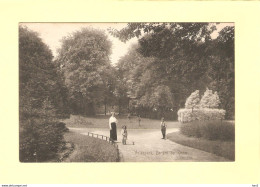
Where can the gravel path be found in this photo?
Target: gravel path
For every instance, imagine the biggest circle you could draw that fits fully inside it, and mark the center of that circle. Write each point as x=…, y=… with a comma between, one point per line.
x=146, y=145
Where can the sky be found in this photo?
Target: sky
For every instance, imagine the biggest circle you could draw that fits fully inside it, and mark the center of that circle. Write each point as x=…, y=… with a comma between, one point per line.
x=52, y=33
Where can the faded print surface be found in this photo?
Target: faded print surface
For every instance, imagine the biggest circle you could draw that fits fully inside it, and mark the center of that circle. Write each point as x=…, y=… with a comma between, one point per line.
x=175, y=79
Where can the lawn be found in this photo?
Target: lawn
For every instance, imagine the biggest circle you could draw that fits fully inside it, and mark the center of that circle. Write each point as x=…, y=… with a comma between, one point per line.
x=102, y=122
x=225, y=149
x=88, y=149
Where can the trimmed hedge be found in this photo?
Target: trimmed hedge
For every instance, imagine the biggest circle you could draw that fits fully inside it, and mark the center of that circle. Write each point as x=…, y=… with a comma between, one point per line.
x=211, y=130
x=188, y=115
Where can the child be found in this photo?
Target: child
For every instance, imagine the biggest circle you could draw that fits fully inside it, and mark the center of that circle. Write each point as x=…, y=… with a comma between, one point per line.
x=124, y=134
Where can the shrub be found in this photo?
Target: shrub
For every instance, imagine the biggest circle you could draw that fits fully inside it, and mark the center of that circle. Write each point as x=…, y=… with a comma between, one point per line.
x=205, y=109
x=188, y=115
x=62, y=127
x=191, y=129
x=209, y=99
x=193, y=100
x=211, y=130
x=39, y=141
x=41, y=135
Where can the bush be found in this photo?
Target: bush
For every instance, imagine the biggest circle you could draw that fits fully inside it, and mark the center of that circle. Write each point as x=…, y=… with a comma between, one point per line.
x=205, y=109
x=41, y=135
x=39, y=141
x=62, y=127
x=188, y=115
x=193, y=100
x=209, y=99
x=211, y=130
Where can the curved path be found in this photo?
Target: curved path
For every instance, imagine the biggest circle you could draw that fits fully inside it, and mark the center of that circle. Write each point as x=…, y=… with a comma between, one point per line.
x=146, y=145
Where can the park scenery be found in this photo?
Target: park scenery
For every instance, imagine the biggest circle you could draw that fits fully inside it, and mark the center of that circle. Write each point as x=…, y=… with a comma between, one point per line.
x=126, y=92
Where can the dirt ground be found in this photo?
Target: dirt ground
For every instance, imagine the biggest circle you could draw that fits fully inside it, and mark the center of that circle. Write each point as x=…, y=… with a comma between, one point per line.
x=146, y=145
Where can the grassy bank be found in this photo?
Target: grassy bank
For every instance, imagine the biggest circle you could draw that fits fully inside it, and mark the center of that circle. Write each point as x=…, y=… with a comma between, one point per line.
x=88, y=149
x=102, y=122
x=225, y=149
x=210, y=130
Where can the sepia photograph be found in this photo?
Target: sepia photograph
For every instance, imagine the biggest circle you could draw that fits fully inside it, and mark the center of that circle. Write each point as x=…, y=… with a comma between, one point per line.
x=126, y=92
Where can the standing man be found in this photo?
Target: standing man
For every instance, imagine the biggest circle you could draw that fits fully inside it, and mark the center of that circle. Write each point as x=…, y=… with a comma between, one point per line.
x=112, y=126
x=163, y=128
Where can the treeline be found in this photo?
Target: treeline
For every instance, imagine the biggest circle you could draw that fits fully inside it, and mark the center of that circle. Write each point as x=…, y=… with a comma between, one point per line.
x=172, y=60
x=169, y=62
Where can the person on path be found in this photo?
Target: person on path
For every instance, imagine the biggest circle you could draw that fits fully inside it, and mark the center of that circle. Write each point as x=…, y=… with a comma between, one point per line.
x=129, y=117
x=124, y=134
x=139, y=120
x=112, y=126
x=163, y=128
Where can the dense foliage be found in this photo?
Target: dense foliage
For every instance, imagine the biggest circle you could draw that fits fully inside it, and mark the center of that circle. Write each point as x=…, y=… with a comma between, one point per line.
x=180, y=57
x=84, y=61
x=42, y=96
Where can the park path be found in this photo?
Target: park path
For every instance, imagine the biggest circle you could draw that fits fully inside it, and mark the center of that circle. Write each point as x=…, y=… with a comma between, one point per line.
x=149, y=147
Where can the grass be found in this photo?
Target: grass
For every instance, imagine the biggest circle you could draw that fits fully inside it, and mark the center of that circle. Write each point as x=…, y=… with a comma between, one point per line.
x=102, y=122
x=225, y=149
x=88, y=149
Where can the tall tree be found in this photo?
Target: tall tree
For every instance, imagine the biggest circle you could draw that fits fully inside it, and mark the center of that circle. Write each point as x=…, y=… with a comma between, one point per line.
x=39, y=88
x=84, y=58
x=145, y=90
x=222, y=71
x=186, y=57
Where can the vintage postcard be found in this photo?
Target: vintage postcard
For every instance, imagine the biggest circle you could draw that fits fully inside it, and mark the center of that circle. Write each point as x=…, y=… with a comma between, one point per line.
x=126, y=92
x=129, y=92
